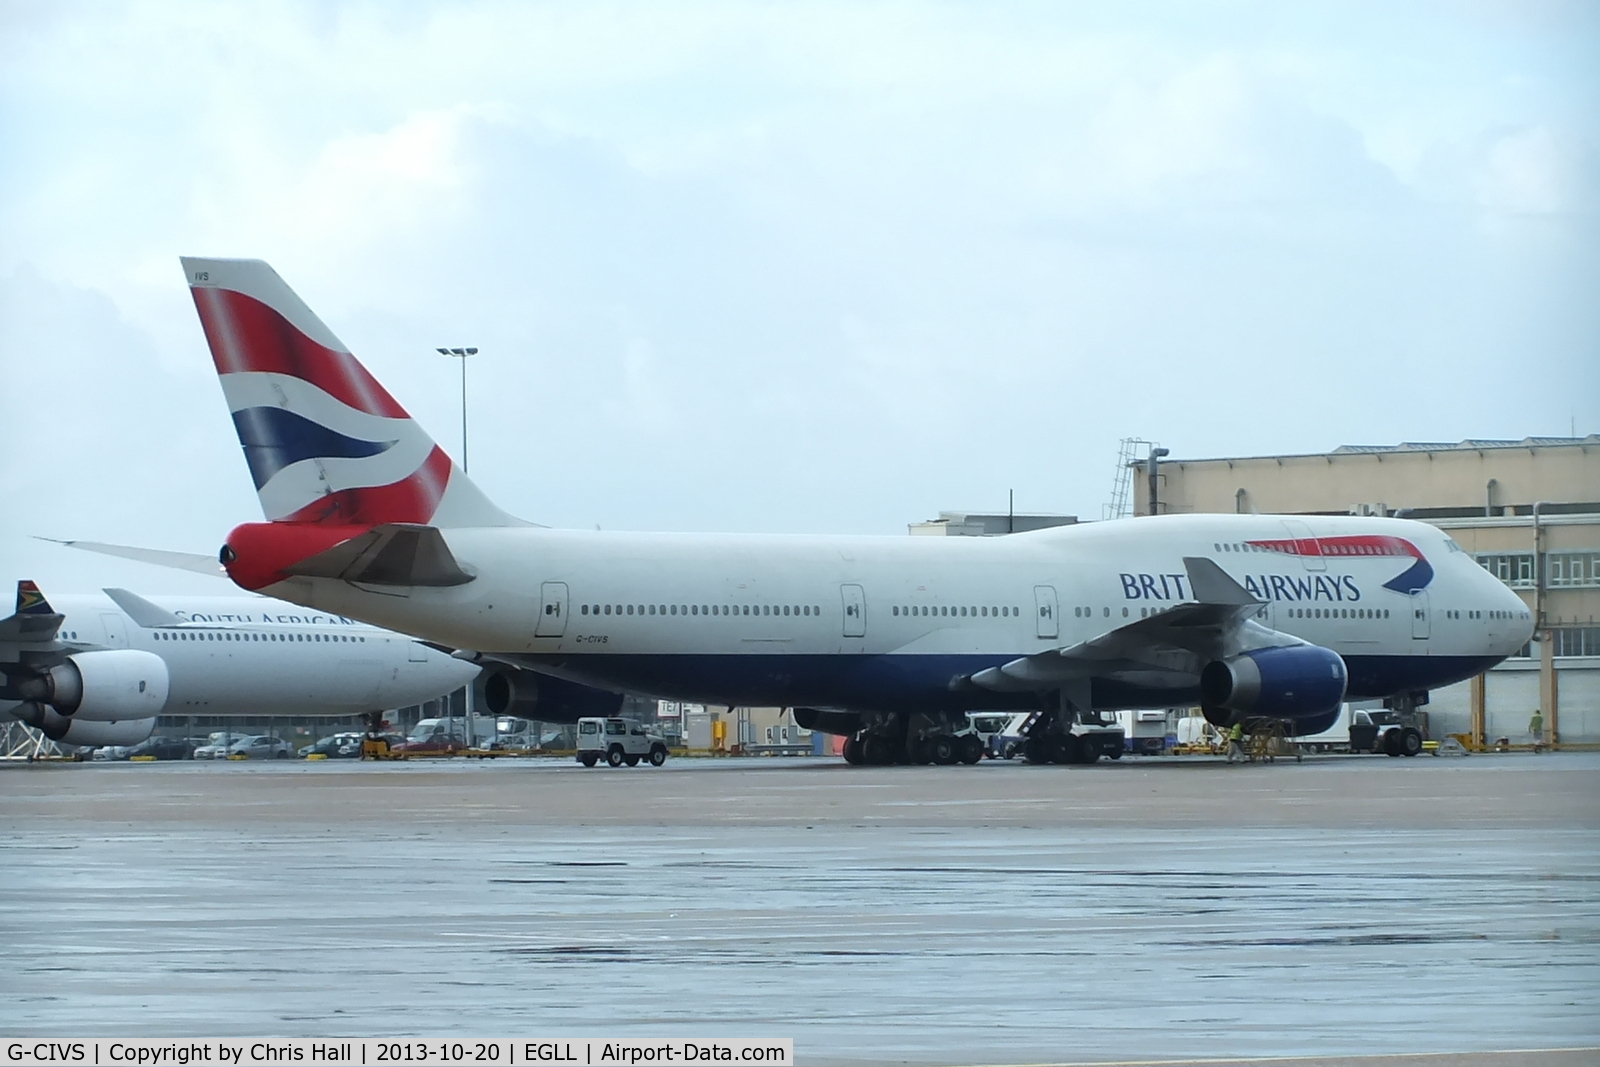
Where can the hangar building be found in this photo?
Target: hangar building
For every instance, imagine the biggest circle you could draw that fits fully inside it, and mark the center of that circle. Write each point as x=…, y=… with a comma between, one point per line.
x=1528, y=511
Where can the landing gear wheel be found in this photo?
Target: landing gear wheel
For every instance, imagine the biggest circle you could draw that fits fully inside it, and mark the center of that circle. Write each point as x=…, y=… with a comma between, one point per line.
x=1391, y=743
x=1088, y=750
x=876, y=752
x=944, y=750
x=852, y=752
x=1036, y=750
x=970, y=750
x=658, y=756
x=614, y=756
x=1063, y=748
x=632, y=761
x=1115, y=753
x=588, y=759
x=918, y=751
x=1410, y=742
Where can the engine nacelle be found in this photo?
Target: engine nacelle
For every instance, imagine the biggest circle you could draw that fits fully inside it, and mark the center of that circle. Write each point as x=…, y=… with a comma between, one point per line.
x=75, y=731
x=105, y=686
x=1301, y=682
x=95, y=734
x=543, y=698
x=843, y=723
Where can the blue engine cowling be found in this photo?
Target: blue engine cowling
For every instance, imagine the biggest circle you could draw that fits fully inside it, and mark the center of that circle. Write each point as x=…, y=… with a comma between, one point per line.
x=544, y=698
x=1303, y=682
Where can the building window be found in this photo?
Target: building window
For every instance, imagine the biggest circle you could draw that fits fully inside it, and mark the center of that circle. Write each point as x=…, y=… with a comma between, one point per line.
x=1576, y=641
x=1516, y=569
x=1569, y=570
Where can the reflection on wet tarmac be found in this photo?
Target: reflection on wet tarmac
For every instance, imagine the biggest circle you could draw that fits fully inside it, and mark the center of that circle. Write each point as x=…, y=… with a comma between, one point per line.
x=897, y=942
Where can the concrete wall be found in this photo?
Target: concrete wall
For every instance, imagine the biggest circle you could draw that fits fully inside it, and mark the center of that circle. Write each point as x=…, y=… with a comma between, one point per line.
x=1450, y=477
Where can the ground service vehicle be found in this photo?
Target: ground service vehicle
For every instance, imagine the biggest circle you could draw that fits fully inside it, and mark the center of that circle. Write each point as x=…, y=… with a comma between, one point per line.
x=618, y=741
x=1382, y=730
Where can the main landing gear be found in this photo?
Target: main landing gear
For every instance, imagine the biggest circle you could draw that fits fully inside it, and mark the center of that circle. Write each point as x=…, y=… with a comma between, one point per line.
x=890, y=743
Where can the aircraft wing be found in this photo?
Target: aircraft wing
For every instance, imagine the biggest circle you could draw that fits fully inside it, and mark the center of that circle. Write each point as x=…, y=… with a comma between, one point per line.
x=1171, y=645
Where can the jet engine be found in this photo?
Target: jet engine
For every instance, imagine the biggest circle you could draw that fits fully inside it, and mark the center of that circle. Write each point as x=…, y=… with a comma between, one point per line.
x=530, y=695
x=75, y=731
x=105, y=686
x=1301, y=682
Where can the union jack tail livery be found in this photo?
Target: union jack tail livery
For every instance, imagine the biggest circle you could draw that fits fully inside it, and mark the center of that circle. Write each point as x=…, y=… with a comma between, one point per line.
x=327, y=445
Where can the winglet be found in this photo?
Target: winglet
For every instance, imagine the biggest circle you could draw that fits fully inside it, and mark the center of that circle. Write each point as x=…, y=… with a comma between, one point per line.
x=142, y=611
x=30, y=601
x=1212, y=585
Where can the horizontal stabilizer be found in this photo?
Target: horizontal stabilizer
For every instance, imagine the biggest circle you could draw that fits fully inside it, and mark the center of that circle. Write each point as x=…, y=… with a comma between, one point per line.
x=180, y=561
x=141, y=611
x=394, y=554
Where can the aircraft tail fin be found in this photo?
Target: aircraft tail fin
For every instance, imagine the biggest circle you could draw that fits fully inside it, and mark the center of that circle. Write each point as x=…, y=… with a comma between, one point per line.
x=30, y=599
x=326, y=444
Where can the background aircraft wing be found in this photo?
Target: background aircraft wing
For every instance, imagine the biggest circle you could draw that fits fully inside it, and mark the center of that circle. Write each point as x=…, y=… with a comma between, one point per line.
x=141, y=611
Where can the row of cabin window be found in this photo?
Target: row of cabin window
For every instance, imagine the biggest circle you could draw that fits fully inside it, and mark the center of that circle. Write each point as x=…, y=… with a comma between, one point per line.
x=1338, y=613
x=202, y=635
x=978, y=612
x=699, y=609
x=1324, y=548
x=1485, y=615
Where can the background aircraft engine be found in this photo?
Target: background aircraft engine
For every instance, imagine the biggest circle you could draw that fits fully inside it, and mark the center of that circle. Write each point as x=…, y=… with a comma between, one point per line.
x=543, y=698
x=106, y=686
x=95, y=734
x=75, y=731
x=1299, y=682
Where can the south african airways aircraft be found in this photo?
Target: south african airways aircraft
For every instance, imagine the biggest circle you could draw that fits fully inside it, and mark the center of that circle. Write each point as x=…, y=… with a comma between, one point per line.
x=97, y=669
x=885, y=640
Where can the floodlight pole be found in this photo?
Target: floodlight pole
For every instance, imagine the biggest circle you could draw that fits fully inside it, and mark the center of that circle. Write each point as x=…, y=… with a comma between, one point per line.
x=462, y=354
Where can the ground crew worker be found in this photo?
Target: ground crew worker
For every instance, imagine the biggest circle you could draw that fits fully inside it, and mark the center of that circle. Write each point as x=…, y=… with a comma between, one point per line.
x=1235, y=736
x=1536, y=727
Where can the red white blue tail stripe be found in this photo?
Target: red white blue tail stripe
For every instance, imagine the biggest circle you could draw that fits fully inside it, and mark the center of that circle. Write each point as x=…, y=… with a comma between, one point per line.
x=325, y=443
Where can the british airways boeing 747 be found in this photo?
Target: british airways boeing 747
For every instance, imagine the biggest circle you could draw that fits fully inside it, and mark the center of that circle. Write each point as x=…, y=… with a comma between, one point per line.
x=886, y=640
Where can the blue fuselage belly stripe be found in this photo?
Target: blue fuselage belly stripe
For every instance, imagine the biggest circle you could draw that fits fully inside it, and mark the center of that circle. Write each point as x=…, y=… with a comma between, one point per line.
x=908, y=683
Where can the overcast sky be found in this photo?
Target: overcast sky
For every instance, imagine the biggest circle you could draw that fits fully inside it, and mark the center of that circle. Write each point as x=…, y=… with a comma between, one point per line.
x=804, y=267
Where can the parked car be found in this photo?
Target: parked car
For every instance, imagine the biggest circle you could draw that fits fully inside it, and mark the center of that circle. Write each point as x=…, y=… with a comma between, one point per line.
x=261, y=747
x=110, y=752
x=219, y=745
x=335, y=746
x=163, y=748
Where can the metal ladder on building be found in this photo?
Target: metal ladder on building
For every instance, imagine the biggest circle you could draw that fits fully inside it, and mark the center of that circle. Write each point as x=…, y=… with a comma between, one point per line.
x=1122, y=478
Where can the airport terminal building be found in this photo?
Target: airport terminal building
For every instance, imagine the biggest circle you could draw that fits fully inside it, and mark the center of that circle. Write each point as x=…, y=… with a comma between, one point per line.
x=1528, y=511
